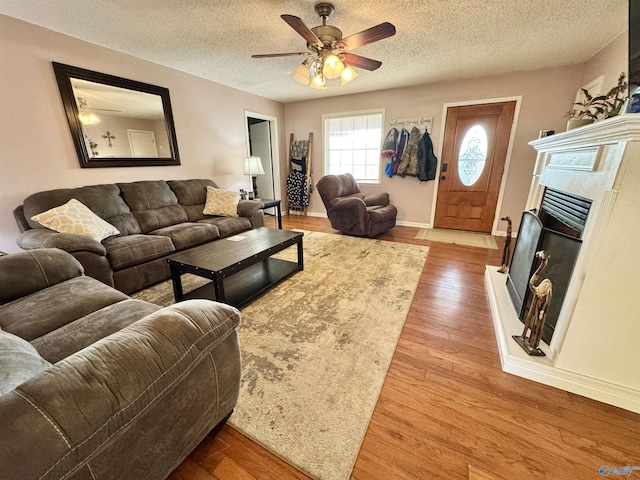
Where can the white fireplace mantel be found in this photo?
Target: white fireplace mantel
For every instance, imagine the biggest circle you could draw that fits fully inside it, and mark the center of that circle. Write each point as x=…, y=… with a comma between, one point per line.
x=595, y=351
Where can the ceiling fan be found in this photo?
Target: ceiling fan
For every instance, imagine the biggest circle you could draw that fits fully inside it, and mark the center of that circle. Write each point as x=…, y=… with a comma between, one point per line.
x=84, y=112
x=328, y=55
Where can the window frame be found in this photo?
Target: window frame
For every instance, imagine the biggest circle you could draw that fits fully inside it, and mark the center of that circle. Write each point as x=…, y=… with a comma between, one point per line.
x=358, y=113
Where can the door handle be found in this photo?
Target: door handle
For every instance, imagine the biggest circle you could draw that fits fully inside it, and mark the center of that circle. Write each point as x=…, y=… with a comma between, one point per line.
x=444, y=168
x=442, y=177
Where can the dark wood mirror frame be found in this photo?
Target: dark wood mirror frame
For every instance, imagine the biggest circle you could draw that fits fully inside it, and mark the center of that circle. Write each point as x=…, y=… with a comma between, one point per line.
x=64, y=75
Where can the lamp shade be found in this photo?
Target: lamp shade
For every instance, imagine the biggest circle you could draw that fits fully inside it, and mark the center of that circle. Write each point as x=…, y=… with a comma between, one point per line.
x=348, y=74
x=318, y=81
x=333, y=67
x=253, y=166
x=301, y=73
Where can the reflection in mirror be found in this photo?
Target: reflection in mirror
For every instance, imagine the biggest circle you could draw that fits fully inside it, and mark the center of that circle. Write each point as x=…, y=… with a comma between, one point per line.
x=115, y=121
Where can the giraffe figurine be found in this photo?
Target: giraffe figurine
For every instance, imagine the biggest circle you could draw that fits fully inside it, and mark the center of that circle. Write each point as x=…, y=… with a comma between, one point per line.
x=537, y=314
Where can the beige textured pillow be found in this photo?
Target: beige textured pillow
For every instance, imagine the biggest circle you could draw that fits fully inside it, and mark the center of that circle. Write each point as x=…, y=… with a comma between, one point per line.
x=221, y=202
x=75, y=217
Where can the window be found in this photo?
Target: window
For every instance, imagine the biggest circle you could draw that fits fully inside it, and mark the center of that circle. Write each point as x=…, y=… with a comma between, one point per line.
x=473, y=155
x=352, y=144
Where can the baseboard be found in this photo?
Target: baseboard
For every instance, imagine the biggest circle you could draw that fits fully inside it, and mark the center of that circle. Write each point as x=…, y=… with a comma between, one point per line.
x=317, y=214
x=542, y=369
x=401, y=223
x=413, y=224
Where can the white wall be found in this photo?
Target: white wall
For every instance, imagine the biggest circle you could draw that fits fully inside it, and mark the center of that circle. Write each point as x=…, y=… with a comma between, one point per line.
x=608, y=62
x=36, y=149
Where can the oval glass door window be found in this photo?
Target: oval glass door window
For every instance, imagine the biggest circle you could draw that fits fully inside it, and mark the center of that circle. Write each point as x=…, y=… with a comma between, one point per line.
x=473, y=155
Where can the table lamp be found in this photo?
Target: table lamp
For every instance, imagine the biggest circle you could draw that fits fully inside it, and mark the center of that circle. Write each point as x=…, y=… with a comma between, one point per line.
x=253, y=167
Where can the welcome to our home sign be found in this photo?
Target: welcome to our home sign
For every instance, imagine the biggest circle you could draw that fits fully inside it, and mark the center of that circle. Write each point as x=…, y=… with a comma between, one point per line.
x=423, y=123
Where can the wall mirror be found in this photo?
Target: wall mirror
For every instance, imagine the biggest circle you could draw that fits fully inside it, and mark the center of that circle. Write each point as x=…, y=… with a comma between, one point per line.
x=117, y=122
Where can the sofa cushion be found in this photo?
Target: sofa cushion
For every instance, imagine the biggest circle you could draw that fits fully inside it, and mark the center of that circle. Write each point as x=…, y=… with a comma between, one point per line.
x=75, y=217
x=228, y=225
x=74, y=336
x=46, y=310
x=103, y=200
x=19, y=362
x=153, y=204
x=221, y=202
x=185, y=235
x=36, y=269
x=192, y=195
x=124, y=252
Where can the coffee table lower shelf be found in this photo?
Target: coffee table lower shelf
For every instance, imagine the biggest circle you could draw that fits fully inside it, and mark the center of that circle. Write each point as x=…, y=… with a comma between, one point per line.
x=248, y=284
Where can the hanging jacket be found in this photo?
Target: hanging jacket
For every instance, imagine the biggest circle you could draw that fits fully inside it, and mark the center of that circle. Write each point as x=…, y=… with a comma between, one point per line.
x=403, y=138
x=409, y=162
x=388, y=154
x=427, y=161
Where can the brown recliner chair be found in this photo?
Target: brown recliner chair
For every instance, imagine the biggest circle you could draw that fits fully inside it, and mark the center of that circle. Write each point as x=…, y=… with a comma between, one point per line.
x=353, y=213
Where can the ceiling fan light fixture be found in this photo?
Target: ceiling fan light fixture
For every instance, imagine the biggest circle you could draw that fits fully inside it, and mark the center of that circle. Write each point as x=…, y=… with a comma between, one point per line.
x=84, y=115
x=330, y=55
x=347, y=75
x=332, y=67
x=301, y=73
x=88, y=118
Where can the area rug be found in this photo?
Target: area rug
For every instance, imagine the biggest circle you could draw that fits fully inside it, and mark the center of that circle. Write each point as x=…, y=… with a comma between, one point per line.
x=459, y=237
x=317, y=347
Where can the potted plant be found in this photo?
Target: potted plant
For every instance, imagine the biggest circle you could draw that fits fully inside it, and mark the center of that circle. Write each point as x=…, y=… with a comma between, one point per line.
x=587, y=112
x=593, y=108
x=614, y=99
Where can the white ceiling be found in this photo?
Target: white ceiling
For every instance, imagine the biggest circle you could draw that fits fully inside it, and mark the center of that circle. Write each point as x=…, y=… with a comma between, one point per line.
x=436, y=40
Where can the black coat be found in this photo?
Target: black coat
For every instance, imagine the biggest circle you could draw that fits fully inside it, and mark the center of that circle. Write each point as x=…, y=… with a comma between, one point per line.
x=427, y=161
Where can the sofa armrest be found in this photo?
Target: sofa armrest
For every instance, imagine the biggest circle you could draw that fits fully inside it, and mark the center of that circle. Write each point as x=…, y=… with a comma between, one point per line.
x=160, y=384
x=37, y=270
x=348, y=203
x=348, y=214
x=376, y=199
x=69, y=242
x=252, y=209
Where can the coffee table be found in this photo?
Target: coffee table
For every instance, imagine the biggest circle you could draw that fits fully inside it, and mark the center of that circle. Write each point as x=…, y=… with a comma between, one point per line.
x=241, y=267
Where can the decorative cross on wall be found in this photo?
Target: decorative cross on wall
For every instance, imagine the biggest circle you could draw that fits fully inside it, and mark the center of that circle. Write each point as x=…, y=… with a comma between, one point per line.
x=109, y=137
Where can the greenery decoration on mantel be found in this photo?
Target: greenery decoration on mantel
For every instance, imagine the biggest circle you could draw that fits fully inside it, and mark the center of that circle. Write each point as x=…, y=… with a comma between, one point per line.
x=601, y=106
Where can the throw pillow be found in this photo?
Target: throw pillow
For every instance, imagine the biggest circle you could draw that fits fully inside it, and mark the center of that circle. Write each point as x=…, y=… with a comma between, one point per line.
x=19, y=361
x=76, y=217
x=221, y=202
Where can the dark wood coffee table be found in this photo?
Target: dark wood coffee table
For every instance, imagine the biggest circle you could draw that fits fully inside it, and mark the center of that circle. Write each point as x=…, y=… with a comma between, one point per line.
x=241, y=267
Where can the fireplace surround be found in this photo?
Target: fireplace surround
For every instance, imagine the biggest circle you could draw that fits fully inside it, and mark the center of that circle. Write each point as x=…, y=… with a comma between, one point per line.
x=556, y=229
x=593, y=351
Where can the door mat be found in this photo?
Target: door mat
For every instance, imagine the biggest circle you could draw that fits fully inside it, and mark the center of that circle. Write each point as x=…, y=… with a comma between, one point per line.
x=459, y=237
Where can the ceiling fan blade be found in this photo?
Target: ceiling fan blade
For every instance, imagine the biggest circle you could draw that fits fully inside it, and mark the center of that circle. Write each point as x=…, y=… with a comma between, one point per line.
x=370, y=35
x=271, y=55
x=360, y=62
x=304, y=31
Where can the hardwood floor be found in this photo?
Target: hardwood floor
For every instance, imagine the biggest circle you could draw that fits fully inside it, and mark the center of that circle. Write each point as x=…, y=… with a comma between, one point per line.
x=447, y=411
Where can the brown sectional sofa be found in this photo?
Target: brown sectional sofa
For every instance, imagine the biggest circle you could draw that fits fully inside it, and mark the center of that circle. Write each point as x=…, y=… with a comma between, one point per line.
x=96, y=385
x=155, y=219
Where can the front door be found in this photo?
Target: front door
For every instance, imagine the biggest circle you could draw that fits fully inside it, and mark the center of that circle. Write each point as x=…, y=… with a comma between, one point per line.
x=474, y=151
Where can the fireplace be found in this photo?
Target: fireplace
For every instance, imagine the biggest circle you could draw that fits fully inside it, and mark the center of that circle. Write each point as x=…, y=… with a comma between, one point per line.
x=557, y=229
x=594, y=350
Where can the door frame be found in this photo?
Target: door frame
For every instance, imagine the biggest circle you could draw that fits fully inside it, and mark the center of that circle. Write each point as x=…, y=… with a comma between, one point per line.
x=507, y=161
x=275, y=155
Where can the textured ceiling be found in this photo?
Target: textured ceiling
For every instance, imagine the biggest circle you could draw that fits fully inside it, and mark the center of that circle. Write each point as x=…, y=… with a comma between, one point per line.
x=436, y=40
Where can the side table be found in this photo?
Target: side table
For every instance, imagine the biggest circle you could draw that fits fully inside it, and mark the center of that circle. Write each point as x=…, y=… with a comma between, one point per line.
x=269, y=203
